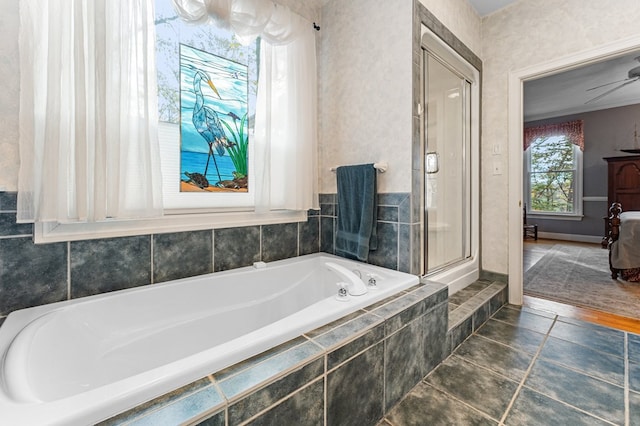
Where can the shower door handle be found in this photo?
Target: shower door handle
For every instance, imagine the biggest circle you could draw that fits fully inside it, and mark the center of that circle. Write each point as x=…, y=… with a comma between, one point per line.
x=431, y=162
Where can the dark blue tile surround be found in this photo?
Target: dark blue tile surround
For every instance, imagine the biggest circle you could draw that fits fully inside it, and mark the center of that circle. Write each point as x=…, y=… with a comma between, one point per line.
x=329, y=360
x=32, y=275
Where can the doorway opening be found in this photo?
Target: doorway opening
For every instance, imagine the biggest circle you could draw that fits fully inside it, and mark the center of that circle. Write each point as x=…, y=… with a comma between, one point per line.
x=516, y=125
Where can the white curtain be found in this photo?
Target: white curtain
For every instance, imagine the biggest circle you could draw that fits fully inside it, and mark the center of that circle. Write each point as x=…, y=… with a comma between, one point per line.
x=88, y=111
x=286, y=112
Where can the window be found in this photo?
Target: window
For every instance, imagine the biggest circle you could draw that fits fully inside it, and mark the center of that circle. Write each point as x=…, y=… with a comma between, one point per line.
x=198, y=171
x=553, y=176
x=90, y=202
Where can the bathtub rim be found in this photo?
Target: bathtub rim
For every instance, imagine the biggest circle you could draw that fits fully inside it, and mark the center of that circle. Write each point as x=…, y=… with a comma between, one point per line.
x=126, y=389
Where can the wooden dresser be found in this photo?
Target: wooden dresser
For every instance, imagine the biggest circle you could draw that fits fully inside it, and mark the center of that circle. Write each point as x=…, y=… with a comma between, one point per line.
x=623, y=183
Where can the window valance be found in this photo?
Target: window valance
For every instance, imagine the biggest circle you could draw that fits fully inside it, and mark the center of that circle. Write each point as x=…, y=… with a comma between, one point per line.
x=572, y=130
x=248, y=19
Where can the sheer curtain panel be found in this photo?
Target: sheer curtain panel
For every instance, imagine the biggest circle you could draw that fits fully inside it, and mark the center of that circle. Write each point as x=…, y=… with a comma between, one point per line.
x=286, y=108
x=88, y=111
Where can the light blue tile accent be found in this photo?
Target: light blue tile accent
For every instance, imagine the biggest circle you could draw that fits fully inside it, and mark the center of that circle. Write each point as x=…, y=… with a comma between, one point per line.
x=183, y=410
x=255, y=375
x=347, y=331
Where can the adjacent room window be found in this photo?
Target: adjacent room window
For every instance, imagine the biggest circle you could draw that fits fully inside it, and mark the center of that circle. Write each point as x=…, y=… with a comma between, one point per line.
x=553, y=169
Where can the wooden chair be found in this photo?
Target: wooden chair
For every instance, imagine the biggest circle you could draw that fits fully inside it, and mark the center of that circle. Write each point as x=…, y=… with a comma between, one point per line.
x=528, y=231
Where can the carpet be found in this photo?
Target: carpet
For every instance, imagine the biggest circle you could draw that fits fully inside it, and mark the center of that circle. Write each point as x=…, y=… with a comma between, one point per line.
x=580, y=276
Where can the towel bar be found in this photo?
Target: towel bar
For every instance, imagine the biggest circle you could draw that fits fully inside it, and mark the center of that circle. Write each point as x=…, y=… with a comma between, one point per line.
x=381, y=167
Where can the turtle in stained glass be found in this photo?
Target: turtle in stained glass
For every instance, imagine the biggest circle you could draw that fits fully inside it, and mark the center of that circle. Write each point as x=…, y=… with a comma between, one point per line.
x=197, y=179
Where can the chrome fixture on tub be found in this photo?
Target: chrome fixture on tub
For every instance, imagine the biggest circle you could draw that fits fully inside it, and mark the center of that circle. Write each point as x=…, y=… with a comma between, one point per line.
x=343, y=294
x=355, y=285
x=372, y=282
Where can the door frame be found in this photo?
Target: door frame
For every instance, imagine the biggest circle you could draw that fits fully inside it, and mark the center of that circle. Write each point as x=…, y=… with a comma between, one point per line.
x=515, y=119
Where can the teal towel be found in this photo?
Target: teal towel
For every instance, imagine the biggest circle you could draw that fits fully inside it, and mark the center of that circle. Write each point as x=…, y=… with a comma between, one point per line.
x=357, y=211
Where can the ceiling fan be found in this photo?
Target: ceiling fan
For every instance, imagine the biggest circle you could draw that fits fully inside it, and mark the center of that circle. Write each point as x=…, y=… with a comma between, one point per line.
x=634, y=75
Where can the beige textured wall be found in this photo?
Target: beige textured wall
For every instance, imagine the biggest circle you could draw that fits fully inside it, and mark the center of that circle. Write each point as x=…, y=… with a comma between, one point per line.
x=365, y=89
x=460, y=18
x=529, y=33
x=365, y=83
x=307, y=9
x=9, y=94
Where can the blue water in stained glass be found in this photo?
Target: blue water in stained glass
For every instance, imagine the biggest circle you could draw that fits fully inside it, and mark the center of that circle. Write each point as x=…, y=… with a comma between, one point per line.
x=195, y=162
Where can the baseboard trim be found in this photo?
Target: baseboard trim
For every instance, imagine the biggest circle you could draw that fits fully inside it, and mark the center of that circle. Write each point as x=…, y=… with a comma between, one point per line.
x=570, y=237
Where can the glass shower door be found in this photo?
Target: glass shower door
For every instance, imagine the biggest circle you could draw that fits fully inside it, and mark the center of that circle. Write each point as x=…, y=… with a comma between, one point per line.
x=447, y=197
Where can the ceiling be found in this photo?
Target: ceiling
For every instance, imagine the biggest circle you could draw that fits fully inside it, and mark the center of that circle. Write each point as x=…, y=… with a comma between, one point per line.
x=567, y=92
x=487, y=7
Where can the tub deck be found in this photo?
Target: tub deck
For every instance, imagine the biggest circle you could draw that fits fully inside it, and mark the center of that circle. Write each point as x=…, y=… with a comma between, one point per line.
x=80, y=361
x=286, y=385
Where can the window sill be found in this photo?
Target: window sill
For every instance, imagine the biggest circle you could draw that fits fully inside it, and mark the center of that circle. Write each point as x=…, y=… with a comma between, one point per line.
x=59, y=232
x=550, y=216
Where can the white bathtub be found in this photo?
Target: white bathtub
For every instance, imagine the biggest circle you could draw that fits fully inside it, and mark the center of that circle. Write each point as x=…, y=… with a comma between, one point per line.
x=85, y=360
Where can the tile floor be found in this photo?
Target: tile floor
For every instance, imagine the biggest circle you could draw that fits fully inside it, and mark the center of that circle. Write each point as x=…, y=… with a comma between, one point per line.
x=530, y=367
x=462, y=297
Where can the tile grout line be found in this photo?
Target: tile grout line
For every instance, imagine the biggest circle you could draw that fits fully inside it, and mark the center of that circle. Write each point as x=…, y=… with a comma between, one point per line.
x=385, y=345
x=251, y=390
x=582, y=372
x=281, y=400
x=483, y=367
x=589, y=373
x=213, y=250
x=550, y=395
x=627, y=415
x=351, y=358
x=397, y=246
x=526, y=374
x=457, y=399
x=260, y=244
x=151, y=262
x=68, y=270
x=298, y=225
x=8, y=237
x=273, y=378
x=325, y=388
x=146, y=413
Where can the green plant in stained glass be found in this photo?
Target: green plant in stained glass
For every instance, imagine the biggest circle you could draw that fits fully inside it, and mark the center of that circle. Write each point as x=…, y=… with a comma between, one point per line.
x=238, y=149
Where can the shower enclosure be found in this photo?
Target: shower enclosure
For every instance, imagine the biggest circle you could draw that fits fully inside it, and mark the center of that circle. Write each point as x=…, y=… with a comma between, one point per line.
x=450, y=139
